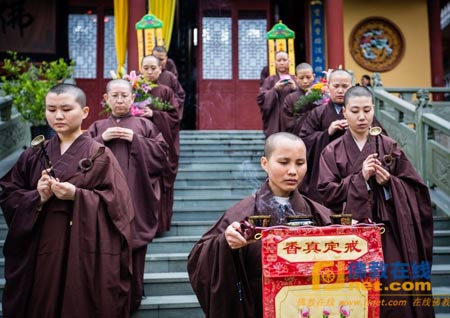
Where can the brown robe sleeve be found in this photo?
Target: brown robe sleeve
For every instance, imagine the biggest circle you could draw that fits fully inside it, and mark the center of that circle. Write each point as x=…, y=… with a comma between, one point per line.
x=171, y=67
x=168, y=79
x=168, y=122
x=215, y=270
x=337, y=188
x=263, y=75
x=289, y=116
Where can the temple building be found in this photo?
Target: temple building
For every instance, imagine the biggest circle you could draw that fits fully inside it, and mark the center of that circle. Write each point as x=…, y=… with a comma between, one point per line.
x=220, y=46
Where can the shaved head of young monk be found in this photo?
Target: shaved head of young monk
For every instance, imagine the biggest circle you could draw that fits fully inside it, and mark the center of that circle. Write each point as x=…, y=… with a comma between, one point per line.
x=284, y=161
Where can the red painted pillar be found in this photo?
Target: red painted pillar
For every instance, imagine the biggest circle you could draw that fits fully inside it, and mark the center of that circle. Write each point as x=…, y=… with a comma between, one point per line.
x=434, y=27
x=136, y=11
x=334, y=17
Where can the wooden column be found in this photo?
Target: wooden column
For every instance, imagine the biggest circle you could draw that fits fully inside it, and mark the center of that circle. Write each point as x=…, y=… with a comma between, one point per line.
x=434, y=27
x=136, y=10
x=334, y=17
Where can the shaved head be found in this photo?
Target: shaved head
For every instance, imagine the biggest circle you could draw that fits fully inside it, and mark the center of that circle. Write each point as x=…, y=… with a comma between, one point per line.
x=75, y=91
x=152, y=58
x=274, y=139
x=118, y=81
x=303, y=66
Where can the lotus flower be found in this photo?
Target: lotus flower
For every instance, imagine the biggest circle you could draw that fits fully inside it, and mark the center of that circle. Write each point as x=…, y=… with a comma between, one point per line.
x=326, y=312
x=345, y=311
x=304, y=312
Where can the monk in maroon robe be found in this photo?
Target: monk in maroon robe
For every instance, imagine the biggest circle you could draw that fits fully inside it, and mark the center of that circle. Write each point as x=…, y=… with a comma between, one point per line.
x=378, y=183
x=324, y=124
x=167, y=63
x=68, y=248
x=293, y=119
x=142, y=154
x=168, y=122
x=272, y=94
x=224, y=268
x=166, y=78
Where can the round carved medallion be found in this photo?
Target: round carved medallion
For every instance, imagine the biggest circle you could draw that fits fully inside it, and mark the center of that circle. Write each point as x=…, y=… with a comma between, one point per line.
x=376, y=44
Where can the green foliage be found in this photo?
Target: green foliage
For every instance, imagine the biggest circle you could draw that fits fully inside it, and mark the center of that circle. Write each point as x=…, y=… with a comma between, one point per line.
x=28, y=84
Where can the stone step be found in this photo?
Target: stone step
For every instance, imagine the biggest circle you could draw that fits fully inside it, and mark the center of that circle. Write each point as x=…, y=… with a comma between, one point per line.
x=197, y=153
x=207, y=142
x=185, y=306
x=250, y=180
x=441, y=255
x=443, y=294
x=220, y=159
x=441, y=222
x=173, y=283
x=172, y=244
x=205, y=202
x=210, y=145
x=188, y=228
x=211, y=214
x=440, y=275
x=214, y=190
x=221, y=175
x=232, y=167
x=220, y=134
x=165, y=262
x=441, y=238
x=3, y=229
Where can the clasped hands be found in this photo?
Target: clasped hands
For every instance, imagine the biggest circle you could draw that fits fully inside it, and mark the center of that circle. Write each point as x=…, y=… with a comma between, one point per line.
x=48, y=186
x=373, y=167
x=336, y=125
x=118, y=133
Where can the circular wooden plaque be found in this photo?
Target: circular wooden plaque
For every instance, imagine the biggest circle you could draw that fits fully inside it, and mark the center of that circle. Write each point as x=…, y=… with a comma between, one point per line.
x=376, y=44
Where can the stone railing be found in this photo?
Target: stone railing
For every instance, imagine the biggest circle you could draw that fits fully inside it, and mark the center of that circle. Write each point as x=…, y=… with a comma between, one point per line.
x=422, y=129
x=14, y=132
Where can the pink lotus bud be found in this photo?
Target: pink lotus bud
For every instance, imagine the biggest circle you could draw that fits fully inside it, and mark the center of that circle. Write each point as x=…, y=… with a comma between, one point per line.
x=326, y=311
x=304, y=313
x=345, y=311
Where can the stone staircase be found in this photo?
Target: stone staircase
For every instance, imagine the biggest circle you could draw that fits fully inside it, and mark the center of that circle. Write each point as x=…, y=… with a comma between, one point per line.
x=218, y=168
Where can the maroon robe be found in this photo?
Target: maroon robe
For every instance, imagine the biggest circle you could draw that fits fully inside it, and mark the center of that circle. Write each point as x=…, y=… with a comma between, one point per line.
x=264, y=74
x=168, y=122
x=216, y=271
x=171, y=67
x=72, y=259
x=407, y=213
x=142, y=161
x=168, y=79
x=314, y=132
x=270, y=102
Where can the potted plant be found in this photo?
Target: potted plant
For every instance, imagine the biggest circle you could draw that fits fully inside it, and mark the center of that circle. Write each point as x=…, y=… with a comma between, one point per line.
x=27, y=84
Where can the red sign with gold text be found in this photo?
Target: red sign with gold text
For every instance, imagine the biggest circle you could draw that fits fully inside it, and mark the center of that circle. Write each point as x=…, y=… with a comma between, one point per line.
x=305, y=272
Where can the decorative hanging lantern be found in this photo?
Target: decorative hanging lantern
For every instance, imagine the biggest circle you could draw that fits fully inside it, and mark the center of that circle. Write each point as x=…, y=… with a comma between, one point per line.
x=149, y=34
x=281, y=38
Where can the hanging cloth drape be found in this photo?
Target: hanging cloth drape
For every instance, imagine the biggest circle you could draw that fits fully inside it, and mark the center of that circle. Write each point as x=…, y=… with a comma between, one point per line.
x=165, y=11
x=120, y=28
